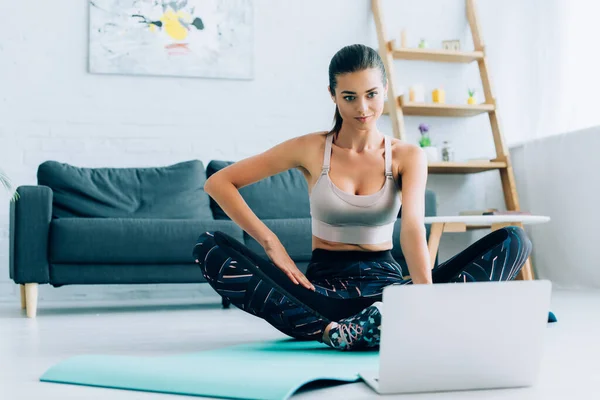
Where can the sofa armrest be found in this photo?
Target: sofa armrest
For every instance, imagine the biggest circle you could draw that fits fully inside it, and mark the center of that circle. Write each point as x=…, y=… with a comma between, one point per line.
x=30, y=218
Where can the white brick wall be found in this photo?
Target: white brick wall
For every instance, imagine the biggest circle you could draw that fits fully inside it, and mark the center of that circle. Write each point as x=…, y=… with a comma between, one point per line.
x=52, y=108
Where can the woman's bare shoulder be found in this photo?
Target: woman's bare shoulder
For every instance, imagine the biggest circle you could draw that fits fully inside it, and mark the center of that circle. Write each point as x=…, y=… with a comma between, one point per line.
x=313, y=138
x=310, y=143
x=309, y=149
x=402, y=148
x=403, y=152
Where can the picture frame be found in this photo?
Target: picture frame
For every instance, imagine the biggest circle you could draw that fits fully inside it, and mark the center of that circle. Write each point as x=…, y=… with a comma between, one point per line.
x=451, y=45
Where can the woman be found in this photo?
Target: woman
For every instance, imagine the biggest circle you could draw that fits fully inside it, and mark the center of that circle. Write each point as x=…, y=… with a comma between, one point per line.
x=358, y=180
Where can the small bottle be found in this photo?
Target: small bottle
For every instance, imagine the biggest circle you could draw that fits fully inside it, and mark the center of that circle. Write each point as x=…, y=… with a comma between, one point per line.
x=447, y=152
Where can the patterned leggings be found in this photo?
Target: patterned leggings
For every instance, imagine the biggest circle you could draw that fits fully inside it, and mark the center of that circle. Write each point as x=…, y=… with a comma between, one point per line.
x=346, y=282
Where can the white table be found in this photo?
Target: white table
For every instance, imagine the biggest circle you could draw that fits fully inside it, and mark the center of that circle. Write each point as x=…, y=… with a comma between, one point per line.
x=462, y=223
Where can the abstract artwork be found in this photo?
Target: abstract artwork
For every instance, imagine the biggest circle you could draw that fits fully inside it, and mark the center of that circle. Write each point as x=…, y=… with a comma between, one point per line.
x=190, y=38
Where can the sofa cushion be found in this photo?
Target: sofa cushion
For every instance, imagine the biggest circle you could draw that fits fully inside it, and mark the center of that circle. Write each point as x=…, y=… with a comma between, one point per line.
x=102, y=274
x=175, y=191
x=294, y=234
x=284, y=195
x=430, y=203
x=130, y=240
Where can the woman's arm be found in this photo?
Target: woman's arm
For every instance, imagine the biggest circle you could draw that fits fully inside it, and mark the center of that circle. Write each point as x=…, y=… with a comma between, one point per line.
x=224, y=185
x=413, y=239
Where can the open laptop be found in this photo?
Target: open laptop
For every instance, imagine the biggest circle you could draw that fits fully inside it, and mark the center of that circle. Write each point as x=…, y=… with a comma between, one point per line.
x=461, y=336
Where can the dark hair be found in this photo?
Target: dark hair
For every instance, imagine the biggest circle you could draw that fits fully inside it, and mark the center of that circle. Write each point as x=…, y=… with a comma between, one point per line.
x=353, y=58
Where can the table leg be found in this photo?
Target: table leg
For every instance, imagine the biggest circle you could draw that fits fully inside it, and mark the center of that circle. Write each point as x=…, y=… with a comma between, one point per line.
x=434, y=240
x=526, y=272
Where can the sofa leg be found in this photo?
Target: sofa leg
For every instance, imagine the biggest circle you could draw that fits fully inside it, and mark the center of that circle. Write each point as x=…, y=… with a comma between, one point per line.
x=226, y=302
x=23, y=302
x=31, y=299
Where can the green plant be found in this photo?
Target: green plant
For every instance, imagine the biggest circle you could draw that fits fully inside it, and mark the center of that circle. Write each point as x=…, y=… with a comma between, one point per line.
x=425, y=141
x=471, y=92
x=5, y=181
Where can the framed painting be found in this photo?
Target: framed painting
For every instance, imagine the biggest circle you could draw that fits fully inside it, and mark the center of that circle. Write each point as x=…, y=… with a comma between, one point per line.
x=186, y=38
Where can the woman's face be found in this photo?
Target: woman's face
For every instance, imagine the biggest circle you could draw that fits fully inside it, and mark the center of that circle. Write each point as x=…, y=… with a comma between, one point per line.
x=360, y=97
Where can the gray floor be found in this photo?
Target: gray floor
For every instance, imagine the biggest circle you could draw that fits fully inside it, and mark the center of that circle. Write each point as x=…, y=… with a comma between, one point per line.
x=571, y=367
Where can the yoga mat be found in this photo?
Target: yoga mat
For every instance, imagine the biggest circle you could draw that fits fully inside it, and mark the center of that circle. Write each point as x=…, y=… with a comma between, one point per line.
x=272, y=370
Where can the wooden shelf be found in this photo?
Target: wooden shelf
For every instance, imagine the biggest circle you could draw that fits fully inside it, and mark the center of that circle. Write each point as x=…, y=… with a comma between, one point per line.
x=441, y=110
x=398, y=109
x=436, y=55
x=467, y=167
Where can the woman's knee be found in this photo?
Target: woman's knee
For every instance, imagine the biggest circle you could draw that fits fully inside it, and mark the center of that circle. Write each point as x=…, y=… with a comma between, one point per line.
x=516, y=232
x=517, y=237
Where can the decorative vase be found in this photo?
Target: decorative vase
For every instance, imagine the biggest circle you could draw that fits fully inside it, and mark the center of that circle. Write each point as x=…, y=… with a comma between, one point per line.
x=438, y=96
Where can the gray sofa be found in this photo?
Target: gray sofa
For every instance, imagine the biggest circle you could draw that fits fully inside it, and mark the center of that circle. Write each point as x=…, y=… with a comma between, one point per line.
x=139, y=225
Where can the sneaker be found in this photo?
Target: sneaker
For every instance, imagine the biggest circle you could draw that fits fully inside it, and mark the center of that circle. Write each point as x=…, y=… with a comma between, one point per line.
x=359, y=331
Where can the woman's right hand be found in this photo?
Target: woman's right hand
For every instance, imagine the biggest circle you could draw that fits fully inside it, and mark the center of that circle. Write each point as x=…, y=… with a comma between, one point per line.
x=279, y=256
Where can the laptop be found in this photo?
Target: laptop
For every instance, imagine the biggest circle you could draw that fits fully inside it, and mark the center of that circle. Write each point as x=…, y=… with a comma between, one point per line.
x=461, y=336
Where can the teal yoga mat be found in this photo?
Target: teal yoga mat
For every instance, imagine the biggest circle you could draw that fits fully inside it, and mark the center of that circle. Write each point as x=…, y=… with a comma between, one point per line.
x=271, y=370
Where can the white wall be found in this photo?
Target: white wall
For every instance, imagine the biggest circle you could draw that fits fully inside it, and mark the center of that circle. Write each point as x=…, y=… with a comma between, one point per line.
x=553, y=177
x=567, y=64
x=52, y=108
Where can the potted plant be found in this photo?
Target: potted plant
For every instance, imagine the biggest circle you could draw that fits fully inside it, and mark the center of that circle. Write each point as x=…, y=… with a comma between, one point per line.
x=5, y=181
x=425, y=142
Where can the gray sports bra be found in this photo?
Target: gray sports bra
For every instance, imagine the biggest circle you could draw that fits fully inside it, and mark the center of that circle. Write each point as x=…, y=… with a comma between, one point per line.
x=339, y=216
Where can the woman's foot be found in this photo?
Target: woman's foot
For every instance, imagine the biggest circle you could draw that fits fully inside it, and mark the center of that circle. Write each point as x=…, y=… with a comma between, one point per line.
x=356, y=332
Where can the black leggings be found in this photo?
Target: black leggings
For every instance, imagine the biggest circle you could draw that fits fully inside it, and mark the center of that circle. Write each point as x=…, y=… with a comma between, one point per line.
x=346, y=282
